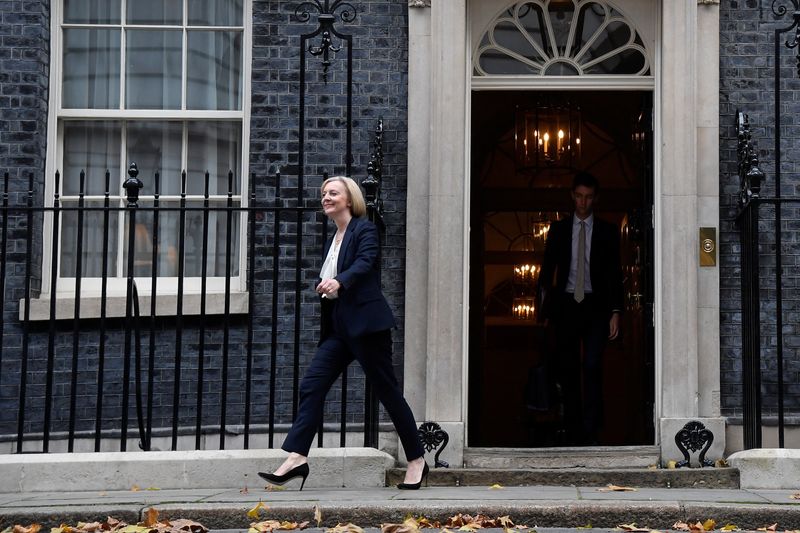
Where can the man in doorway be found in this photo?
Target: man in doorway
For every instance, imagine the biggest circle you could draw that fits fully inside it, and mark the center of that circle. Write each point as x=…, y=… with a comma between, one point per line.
x=580, y=291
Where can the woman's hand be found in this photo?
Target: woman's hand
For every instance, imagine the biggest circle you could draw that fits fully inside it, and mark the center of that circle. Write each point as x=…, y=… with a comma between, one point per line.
x=328, y=286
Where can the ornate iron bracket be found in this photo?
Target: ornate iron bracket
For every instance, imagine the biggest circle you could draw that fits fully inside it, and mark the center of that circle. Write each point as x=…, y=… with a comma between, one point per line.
x=433, y=436
x=750, y=174
x=694, y=436
x=372, y=183
x=780, y=8
x=327, y=14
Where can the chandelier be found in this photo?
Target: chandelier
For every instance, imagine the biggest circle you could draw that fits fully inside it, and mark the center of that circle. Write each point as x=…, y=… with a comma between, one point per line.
x=547, y=137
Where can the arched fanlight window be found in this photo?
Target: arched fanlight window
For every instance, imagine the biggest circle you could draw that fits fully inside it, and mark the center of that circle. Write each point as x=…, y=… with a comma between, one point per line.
x=561, y=38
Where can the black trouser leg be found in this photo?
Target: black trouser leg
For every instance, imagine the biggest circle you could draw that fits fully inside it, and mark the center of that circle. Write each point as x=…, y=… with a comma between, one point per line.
x=329, y=362
x=374, y=354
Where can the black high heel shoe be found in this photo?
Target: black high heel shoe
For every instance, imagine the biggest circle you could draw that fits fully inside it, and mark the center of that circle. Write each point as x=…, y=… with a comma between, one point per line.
x=415, y=486
x=298, y=471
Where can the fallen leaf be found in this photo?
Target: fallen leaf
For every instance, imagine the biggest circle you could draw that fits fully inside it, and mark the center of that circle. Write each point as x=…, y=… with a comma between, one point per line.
x=265, y=526
x=697, y=526
x=426, y=523
x=672, y=464
x=182, y=524
x=255, y=512
x=91, y=526
x=133, y=529
x=587, y=526
x=272, y=488
x=680, y=526
x=709, y=524
x=317, y=515
x=633, y=527
x=150, y=517
x=152, y=488
x=616, y=488
x=729, y=527
x=795, y=496
x=773, y=527
x=135, y=488
x=496, y=486
x=720, y=463
x=409, y=525
x=345, y=528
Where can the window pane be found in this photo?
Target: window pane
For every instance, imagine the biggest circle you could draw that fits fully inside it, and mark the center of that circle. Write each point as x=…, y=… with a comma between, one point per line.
x=91, y=11
x=155, y=12
x=214, y=71
x=143, y=242
x=156, y=147
x=216, y=147
x=169, y=242
x=93, y=238
x=93, y=146
x=215, y=12
x=153, y=69
x=91, y=69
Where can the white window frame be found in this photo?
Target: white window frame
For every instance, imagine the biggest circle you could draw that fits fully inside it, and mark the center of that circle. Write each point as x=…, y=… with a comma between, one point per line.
x=56, y=114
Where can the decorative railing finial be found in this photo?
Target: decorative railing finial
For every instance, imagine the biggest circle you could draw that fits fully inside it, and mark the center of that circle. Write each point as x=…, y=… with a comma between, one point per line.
x=750, y=174
x=132, y=185
x=327, y=12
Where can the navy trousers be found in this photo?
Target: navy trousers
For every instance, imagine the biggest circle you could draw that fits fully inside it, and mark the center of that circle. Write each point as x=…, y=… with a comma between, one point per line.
x=374, y=353
x=581, y=324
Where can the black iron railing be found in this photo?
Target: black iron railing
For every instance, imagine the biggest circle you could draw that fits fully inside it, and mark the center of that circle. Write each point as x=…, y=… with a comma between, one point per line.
x=219, y=385
x=763, y=290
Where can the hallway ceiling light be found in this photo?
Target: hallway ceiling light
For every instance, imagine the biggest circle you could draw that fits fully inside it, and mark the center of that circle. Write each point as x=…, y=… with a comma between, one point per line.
x=547, y=137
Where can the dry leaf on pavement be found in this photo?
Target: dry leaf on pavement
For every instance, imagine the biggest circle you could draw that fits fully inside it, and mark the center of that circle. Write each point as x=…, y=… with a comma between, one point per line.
x=409, y=525
x=150, y=517
x=729, y=527
x=317, y=515
x=33, y=528
x=255, y=512
x=773, y=527
x=496, y=486
x=345, y=528
x=680, y=526
x=183, y=524
x=709, y=524
x=616, y=488
x=795, y=496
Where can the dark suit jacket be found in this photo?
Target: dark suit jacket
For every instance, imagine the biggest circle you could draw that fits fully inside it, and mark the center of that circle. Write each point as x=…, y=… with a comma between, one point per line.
x=604, y=265
x=361, y=307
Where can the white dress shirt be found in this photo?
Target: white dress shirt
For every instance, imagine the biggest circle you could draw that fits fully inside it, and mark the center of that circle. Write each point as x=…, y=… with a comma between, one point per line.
x=573, y=266
x=329, y=266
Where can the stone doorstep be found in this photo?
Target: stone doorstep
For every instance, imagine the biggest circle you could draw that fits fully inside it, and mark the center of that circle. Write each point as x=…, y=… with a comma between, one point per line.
x=711, y=478
x=109, y=471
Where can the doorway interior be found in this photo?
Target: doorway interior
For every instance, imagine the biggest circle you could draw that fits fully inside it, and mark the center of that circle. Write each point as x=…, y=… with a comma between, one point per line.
x=514, y=400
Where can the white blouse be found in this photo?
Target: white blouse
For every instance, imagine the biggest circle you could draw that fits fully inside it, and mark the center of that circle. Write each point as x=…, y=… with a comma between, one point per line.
x=329, y=266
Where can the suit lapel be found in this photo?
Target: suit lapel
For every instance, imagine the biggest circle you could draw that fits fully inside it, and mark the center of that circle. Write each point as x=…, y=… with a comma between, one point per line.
x=348, y=237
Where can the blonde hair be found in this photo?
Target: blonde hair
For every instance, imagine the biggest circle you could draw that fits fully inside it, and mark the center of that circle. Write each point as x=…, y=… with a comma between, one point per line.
x=358, y=207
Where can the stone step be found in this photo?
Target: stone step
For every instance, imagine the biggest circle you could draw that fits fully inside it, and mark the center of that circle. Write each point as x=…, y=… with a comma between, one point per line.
x=575, y=457
x=712, y=478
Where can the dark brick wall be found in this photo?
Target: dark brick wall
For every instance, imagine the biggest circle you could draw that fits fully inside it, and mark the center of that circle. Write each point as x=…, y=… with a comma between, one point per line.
x=746, y=83
x=379, y=82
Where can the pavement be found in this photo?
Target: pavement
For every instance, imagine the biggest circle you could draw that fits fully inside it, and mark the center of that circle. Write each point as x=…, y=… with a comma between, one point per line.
x=533, y=506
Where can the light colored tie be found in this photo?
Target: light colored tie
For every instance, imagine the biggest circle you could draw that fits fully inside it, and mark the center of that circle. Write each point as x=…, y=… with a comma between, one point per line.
x=581, y=263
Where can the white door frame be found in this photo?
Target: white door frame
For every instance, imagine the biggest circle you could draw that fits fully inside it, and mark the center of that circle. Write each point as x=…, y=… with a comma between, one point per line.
x=686, y=195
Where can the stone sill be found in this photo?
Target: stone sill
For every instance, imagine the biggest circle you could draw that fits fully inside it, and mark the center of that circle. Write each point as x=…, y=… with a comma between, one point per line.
x=166, y=306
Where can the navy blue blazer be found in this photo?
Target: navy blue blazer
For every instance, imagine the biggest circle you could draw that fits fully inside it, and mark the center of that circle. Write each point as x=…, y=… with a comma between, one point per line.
x=604, y=265
x=361, y=307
